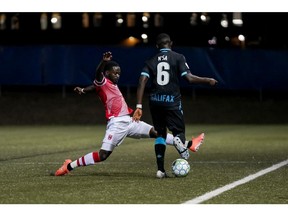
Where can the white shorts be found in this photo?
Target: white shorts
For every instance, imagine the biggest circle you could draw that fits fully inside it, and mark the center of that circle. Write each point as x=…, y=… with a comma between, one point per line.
x=118, y=128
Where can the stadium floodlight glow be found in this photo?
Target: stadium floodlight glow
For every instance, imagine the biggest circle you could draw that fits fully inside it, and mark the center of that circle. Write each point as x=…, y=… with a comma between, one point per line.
x=224, y=21
x=238, y=22
x=237, y=19
x=44, y=21
x=131, y=38
x=145, y=19
x=193, y=19
x=2, y=21
x=119, y=20
x=85, y=20
x=144, y=37
x=130, y=41
x=212, y=41
x=241, y=37
x=203, y=18
x=56, y=20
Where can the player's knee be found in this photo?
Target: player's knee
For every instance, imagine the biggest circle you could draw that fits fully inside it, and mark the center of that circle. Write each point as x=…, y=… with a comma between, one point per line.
x=104, y=154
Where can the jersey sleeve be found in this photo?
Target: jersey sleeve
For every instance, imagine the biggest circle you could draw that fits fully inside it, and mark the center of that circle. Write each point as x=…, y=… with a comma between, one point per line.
x=183, y=66
x=100, y=83
x=145, y=71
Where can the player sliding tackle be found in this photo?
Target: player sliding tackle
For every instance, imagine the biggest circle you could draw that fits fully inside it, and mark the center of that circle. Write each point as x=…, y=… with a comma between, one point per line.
x=118, y=115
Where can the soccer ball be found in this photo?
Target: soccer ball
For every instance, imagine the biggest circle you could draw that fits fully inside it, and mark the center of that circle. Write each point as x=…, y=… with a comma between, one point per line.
x=180, y=167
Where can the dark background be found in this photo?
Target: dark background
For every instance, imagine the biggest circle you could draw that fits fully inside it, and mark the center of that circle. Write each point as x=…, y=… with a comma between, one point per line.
x=262, y=29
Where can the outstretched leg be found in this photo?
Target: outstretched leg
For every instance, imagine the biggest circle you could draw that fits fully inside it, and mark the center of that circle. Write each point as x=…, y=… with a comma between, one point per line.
x=86, y=160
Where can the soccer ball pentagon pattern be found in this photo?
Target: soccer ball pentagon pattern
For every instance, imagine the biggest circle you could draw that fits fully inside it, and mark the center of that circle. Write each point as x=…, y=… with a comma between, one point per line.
x=180, y=167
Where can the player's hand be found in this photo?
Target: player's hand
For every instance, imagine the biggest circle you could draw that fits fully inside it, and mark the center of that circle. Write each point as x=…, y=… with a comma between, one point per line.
x=137, y=115
x=79, y=90
x=212, y=82
x=107, y=56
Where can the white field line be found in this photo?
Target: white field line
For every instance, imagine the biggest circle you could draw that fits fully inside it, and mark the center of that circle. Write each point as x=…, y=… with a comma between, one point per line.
x=218, y=191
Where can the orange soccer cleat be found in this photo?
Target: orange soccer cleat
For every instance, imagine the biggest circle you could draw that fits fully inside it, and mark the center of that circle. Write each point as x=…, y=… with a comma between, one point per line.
x=63, y=170
x=196, y=142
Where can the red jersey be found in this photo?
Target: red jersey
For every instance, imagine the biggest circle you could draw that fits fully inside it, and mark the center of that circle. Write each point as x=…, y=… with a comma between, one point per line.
x=112, y=99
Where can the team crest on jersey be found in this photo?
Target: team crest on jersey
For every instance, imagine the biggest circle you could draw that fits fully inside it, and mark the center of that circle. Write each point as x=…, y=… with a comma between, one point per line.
x=110, y=137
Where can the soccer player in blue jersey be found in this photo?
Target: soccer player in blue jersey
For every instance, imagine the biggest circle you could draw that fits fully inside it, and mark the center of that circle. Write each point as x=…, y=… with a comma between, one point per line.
x=164, y=70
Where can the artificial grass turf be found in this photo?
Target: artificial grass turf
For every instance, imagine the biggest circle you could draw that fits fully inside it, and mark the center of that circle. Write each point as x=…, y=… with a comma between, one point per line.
x=29, y=154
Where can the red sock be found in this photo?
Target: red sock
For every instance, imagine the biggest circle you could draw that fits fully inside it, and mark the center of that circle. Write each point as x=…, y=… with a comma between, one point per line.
x=96, y=157
x=88, y=159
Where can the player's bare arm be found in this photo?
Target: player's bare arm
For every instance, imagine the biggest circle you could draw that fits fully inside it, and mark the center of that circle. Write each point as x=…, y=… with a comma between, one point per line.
x=80, y=90
x=107, y=56
x=140, y=92
x=200, y=80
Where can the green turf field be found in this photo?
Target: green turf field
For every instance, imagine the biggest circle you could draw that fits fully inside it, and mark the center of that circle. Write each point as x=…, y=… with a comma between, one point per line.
x=28, y=155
